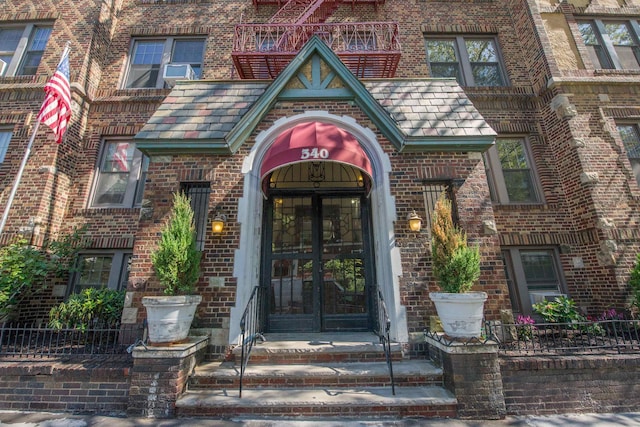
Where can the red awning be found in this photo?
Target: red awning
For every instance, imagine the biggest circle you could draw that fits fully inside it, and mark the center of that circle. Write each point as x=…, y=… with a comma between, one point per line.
x=313, y=142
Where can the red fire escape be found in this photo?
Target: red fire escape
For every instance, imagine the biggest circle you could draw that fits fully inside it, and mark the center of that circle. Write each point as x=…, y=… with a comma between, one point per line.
x=368, y=49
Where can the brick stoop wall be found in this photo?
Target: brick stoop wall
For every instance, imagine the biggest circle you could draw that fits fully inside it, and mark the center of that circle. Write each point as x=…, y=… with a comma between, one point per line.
x=89, y=386
x=538, y=385
x=571, y=384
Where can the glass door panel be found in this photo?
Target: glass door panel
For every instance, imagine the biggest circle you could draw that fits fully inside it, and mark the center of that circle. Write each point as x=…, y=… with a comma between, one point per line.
x=291, y=298
x=344, y=296
x=317, y=264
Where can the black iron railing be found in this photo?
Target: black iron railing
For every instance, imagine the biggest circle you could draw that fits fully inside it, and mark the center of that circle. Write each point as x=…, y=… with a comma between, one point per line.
x=608, y=336
x=383, y=327
x=39, y=341
x=250, y=328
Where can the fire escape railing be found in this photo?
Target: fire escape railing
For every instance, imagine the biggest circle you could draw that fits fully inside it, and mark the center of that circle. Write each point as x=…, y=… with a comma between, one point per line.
x=382, y=330
x=368, y=49
x=350, y=2
x=250, y=329
x=379, y=37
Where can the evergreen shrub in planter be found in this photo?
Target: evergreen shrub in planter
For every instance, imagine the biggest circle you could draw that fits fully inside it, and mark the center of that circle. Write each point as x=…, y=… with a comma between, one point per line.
x=176, y=262
x=456, y=267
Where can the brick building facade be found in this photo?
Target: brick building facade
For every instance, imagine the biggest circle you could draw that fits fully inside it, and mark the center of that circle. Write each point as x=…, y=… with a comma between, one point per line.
x=537, y=141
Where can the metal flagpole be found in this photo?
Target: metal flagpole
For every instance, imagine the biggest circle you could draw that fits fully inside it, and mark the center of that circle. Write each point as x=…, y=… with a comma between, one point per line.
x=16, y=182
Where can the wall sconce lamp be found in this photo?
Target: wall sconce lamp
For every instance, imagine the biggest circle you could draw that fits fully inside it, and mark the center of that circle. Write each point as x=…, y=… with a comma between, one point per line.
x=217, y=225
x=415, y=222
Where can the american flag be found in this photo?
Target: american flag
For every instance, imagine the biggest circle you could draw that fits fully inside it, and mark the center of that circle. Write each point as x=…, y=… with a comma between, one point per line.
x=120, y=157
x=56, y=108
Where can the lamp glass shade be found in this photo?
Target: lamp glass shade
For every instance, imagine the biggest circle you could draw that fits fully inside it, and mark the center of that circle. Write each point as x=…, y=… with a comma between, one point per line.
x=217, y=225
x=415, y=222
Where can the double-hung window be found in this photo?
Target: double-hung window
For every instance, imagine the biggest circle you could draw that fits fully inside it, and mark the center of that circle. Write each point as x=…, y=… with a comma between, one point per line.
x=631, y=138
x=612, y=44
x=5, y=139
x=149, y=56
x=121, y=175
x=512, y=178
x=21, y=48
x=533, y=275
x=471, y=60
x=108, y=269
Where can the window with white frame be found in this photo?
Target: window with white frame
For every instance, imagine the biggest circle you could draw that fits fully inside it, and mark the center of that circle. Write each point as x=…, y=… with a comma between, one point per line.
x=121, y=175
x=149, y=56
x=21, y=48
x=630, y=135
x=5, y=139
x=533, y=275
x=612, y=44
x=108, y=269
x=471, y=60
x=510, y=171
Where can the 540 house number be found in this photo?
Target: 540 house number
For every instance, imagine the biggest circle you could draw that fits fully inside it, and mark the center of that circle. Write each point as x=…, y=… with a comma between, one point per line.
x=314, y=153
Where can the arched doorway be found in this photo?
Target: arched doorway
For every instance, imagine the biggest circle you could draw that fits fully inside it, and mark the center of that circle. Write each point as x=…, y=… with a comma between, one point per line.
x=317, y=269
x=249, y=256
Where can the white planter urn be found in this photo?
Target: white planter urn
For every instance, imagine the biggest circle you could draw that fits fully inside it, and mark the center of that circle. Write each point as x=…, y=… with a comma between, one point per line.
x=460, y=314
x=169, y=317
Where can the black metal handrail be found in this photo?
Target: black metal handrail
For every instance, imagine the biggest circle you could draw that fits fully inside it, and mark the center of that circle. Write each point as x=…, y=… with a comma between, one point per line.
x=250, y=326
x=383, y=327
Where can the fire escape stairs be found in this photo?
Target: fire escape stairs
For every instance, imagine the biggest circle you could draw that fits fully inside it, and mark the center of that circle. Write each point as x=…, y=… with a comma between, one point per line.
x=298, y=12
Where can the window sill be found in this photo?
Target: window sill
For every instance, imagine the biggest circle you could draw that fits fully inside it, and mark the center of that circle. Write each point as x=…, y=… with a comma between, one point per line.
x=99, y=211
x=611, y=72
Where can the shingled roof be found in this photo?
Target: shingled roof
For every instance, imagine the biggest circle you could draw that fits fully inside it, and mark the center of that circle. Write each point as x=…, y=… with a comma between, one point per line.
x=217, y=116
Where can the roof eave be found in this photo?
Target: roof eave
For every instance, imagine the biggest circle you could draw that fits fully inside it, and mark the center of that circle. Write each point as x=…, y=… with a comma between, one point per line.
x=478, y=144
x=182, y=146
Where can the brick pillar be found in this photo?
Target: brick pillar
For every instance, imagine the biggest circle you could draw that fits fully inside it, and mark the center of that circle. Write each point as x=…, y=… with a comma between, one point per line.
x=159, y=376
x=472, y=374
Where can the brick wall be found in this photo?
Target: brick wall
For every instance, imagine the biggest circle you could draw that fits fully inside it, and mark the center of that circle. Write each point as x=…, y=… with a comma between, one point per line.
x=85, y=387
x=571, y=384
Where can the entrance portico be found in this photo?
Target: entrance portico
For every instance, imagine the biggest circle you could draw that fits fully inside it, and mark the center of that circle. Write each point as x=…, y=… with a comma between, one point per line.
x=391, y=125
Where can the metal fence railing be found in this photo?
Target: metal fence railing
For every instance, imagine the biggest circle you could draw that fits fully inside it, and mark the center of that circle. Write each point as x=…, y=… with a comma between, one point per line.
x=609, y=336
x=39, y=341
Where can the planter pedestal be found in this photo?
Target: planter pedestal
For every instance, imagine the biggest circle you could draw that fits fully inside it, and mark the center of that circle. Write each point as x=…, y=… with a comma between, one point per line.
x=169, y=317
x=460, y=314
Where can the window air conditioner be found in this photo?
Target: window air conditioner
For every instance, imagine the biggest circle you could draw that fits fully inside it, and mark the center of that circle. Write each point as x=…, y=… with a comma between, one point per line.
x=540, y=296
x=175, y=72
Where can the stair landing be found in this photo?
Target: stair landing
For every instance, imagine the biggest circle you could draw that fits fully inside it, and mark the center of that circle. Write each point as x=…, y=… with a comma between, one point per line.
x=328, y=375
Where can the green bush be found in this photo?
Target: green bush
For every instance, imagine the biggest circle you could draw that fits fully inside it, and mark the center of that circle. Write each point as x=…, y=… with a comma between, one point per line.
x=90, y=308
x=456, y=266
x=176, y=261
x=24, y=268
x=560, y=310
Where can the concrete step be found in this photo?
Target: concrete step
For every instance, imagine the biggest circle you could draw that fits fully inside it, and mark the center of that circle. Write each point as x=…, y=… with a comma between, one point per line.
x=407, y=373
x=431, y=401
x=319, y=348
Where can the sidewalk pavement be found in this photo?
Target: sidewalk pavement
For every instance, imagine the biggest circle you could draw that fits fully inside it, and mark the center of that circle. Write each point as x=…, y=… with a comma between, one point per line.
x=41, y=419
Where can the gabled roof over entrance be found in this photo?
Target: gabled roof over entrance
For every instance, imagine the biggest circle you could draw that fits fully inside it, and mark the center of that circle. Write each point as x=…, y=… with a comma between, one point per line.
x=218, y=116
